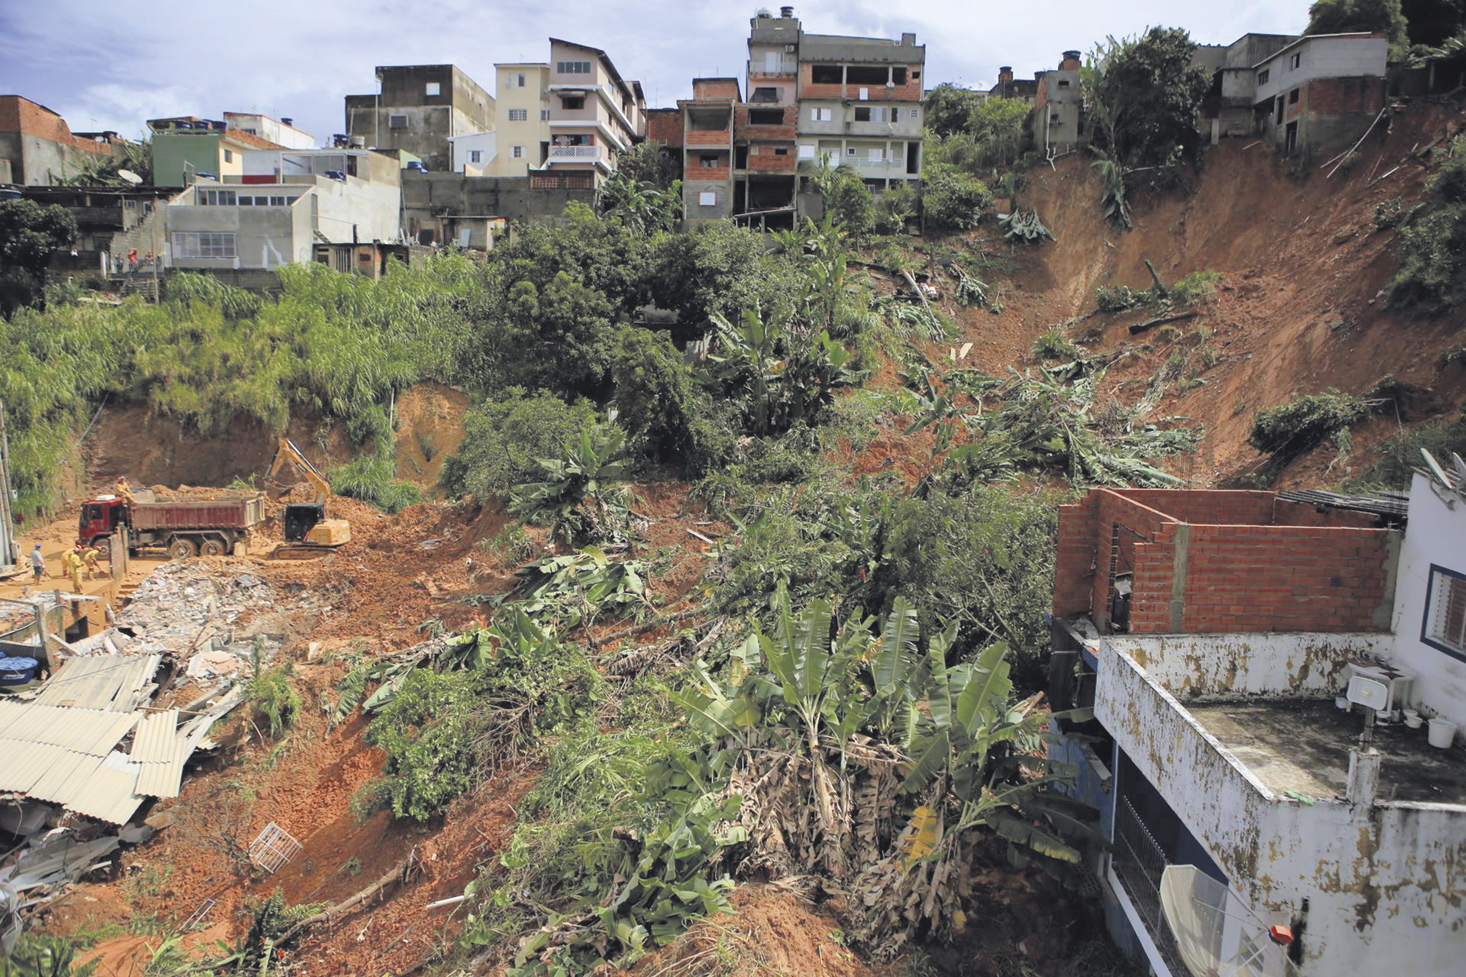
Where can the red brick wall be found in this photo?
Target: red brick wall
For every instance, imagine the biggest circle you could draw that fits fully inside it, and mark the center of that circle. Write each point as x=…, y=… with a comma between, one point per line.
x=1342, y=96
x=1146, y=545
x=19, y=114
x=785, y=130
x=1246, y=508
x=764, y=160
x=717, y=138
x=715, y=88
x=1284, y=578
x=664, y=126
x=1296, y=514
x=1073, y=579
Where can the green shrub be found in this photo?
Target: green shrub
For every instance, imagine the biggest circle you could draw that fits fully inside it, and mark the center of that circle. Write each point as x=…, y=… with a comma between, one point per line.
x=428, y=734
x=847, y=199
x=1194, y=286
x=371, y=478
x=656, y=400
x=1399, y=456
x=1122, y=298
x=505, y=437
x=1305, y=422
x=1388, y=213
x=273, y=701
x=1432, y=275
x=895, y=207
x=1053, y=346
x=952, y=199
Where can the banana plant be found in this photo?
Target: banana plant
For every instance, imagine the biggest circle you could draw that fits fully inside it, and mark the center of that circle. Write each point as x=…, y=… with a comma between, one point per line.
x=578, y=497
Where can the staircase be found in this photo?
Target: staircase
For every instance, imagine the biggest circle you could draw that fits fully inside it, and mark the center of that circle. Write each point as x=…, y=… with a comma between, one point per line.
x=144, y=285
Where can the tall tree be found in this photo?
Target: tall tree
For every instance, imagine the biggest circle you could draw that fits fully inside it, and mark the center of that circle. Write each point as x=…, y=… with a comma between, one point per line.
x=1145, y=93
x=1347, y=16
x=949, y=109
x=1430, y=22
x=30, y=233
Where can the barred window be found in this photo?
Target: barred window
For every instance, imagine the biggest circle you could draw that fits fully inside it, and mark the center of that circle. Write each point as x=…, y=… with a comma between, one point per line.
x=573, y=67
x=203, y=244
x=1445, y=612
x=517, y=115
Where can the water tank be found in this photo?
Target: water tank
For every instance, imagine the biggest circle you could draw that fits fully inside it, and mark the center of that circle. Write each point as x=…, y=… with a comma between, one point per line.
x=786, y=12
x=286, y=120
x=358, y=142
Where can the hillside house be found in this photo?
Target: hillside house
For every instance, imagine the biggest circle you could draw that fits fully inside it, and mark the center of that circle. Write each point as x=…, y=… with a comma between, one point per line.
x=38, y=148
x=187, y=148
x=593, y=114
x=418, y=108
x=1212, y=632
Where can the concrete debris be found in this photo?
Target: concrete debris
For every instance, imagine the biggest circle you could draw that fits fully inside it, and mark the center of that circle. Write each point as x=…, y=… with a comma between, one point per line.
x=211, y=664
x=42, y=871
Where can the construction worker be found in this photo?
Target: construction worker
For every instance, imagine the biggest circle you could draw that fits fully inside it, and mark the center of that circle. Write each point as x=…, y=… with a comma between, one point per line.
x=89, y=556
x=38, y=563
x=73, y=564
x=123, y=490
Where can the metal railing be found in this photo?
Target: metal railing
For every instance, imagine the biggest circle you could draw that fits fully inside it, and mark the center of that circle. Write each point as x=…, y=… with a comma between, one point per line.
x=1139, y=861
x=575, y=152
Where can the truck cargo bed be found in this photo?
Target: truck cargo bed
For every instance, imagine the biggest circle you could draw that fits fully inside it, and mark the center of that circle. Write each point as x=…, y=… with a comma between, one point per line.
x=241, y=513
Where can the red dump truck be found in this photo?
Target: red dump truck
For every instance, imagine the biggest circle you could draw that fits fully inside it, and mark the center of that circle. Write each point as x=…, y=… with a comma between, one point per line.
x=184, y=529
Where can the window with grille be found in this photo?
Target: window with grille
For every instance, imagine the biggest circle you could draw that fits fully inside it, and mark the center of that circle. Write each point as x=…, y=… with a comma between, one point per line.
x=573, y=67
x=433, y=89
x=474, y=155
x=203, y=244
x=518, y=152
x=397, y=122
x=216, y=198
x=1263, y=75
x=1293, y=97
x=1445, y=612
x=518, y=115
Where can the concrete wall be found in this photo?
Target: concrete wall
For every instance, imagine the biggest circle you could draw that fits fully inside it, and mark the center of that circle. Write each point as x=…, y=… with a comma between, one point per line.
x=483, y=143
x=1436, y=537
x=1295, y=664
x=1386, y=884
x=40, y=146
x=431, y=196
x=534, y=101
x=1358, y=55
x=272, y=129
x=265, y=237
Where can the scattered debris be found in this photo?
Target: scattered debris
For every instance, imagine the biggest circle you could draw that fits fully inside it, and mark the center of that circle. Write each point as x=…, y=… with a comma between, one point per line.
x=273, y=848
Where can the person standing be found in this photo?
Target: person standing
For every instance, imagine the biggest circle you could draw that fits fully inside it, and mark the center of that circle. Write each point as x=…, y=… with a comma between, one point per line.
x=73, y=563
x=38, y=563
x=132, y=262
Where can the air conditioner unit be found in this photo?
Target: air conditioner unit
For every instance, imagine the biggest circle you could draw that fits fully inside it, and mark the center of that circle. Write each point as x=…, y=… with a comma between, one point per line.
x=789, y=48
x=890, y=84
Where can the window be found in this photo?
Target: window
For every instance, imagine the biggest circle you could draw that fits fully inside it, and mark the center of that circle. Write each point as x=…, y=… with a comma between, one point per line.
x=1293, y=97
x=203, y=244
x=474, y=156
x=915, y=113
x=898, y=76
x=216, y=198
x=228, y=155
x=764, y=95
x=1063, y=83
x=862, y=115
x=1054, y=118
x=1263, y=76
x=806, y=152
x=865, y=75
x=433, y=89
x=517, y=152
x=826, y=74
x=518, y=115
x=277, y=201
x=572, y=102
x=708, y=161
x=1444, y=627
x=396, y=122
x=130, y=204
x=707, y=198
x=875, y=154
x=544, y=115
x=520, y=80
x=821, y=115
x=573, y=67
x=765, y=117
x=781, y=151
x=246, y=201
x=849, y=150
x=1297, y=60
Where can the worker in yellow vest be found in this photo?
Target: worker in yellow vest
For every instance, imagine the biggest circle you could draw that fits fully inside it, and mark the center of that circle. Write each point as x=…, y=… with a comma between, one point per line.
x=73, y=563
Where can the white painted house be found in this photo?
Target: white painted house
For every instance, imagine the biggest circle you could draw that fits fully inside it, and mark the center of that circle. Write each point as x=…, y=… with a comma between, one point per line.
x=1222, y=747
x=473, y=152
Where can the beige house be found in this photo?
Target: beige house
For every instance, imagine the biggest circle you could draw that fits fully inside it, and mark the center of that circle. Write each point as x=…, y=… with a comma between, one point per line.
x=593, y=115
x=524, y=119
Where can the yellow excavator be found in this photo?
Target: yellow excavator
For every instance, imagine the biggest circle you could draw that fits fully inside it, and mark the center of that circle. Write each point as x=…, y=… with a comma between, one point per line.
x=307, y=530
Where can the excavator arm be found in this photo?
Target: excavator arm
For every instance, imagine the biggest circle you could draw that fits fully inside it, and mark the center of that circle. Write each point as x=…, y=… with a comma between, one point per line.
x=288, y=452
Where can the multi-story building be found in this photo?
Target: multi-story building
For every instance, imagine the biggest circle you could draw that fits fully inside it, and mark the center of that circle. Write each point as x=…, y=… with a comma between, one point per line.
x=282, y=205
x=812, y=100
x=1227, y=110
x=187, y=148
x=37, y=148
x=593, y=114
x=524, y=119
x=1022, y=89
x=419, y=108
x=281, y=132
x=1321, y=91
x=1223, y=639
x=109, y=223
x=1058, y=117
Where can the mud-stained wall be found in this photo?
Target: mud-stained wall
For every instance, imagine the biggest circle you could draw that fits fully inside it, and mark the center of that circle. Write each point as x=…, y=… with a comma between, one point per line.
x=1386, y=884
x=1436, y=538
x=1311, y=664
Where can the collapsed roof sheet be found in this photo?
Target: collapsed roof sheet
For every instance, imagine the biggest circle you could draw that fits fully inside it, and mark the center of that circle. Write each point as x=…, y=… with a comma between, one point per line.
x=65, y=755
x=160, y=749
x=102, y=682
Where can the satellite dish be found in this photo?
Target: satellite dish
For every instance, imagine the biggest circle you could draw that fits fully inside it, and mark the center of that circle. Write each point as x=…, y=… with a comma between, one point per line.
x=1216, y=932
x=1367, y=692
x=130, y=177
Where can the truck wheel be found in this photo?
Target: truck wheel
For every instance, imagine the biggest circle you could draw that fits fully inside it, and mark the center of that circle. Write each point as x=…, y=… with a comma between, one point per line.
x=181, y=548
x=103, y=545
x=212, y=546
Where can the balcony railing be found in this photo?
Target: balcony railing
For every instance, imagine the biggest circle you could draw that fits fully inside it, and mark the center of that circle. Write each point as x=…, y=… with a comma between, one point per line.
x=575, y=152
x=1139, y=862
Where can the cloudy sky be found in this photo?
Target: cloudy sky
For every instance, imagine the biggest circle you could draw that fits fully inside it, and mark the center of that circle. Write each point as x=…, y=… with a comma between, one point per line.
x=111, y=66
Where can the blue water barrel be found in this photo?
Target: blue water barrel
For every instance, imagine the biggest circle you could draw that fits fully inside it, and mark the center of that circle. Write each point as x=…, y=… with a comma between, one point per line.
x=17, y=671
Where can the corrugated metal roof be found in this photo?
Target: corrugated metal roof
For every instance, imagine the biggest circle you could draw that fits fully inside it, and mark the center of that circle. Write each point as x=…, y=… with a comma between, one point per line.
x=102, y=682
x=160, y=749
x=66, y=756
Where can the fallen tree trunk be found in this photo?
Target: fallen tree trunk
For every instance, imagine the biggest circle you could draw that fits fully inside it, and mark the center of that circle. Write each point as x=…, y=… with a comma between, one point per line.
x=1148, y=324
x=398, y=873
x=1159, y=287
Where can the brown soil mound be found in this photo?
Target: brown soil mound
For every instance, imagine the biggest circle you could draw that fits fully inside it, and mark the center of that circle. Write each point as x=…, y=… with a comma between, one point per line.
x=147, y=447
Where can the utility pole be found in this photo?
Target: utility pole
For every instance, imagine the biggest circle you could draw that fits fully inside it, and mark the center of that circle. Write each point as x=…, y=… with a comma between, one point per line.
x=9, y=555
